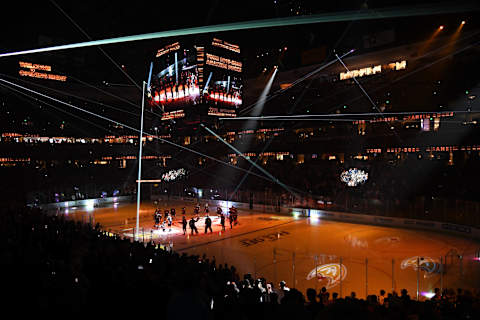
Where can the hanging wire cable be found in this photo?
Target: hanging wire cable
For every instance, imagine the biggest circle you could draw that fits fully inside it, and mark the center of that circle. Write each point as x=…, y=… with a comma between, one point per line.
x=474, y=45
x=69, y=94
x=265, y=172
x=134, y=129
x=301, y=79
x=20, y=94
x=55, y=107
x=101, y=49
x=427, y=54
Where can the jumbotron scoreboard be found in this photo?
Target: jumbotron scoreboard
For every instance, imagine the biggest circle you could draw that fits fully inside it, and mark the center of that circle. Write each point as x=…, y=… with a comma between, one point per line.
x=201, y=80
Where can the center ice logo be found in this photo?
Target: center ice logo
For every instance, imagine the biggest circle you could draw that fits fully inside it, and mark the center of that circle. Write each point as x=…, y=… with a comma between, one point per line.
x=330, y=273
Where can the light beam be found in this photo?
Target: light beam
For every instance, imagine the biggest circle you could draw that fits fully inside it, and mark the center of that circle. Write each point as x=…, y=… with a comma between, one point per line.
x=266, y=23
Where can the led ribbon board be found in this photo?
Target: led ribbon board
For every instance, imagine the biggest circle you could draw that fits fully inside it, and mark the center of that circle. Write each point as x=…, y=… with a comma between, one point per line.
x=29, y=69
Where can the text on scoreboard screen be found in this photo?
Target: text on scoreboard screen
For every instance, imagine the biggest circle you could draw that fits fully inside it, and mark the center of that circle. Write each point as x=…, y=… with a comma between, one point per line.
x=224, y=63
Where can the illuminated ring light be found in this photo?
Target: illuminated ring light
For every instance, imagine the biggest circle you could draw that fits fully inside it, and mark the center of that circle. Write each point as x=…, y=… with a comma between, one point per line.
x=427, y=264
x=353, y=177
x=174, y=174
x=330, y=273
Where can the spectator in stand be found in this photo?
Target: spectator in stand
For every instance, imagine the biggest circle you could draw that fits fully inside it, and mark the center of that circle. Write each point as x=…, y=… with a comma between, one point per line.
x=381, y=297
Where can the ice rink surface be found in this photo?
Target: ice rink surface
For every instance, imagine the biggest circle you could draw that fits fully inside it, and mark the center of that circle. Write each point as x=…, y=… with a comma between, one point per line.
x=310, y=252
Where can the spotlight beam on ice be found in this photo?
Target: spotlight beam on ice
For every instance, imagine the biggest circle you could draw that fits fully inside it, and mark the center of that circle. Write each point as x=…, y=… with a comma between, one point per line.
x=268, y=174
x=268, y=23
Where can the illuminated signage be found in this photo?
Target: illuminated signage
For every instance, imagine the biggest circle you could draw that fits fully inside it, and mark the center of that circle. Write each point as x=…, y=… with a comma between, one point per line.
x=225, y=45
x=173, y=115
x=224, y=63
x=33, y=73
x=221, y=112
x=395, y=66
x=425, y=149
x=29, y=65
x=171, y=47
x=200, y=62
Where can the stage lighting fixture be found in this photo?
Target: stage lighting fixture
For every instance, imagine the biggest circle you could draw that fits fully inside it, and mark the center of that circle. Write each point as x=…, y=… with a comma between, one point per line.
x=463, y=22
x=441, y=27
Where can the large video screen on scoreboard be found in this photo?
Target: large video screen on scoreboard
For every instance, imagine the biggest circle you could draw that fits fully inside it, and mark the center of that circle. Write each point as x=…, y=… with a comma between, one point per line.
x=174, y=81
x=207, y=75
x=223, y=88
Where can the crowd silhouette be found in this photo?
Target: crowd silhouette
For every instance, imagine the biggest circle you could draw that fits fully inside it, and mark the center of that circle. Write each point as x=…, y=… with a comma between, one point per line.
x=57, y=266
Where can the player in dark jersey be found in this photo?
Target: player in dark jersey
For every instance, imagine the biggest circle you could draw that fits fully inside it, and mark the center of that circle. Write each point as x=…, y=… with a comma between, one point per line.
x=208, y=224
x=184, y=224
x=192, y=225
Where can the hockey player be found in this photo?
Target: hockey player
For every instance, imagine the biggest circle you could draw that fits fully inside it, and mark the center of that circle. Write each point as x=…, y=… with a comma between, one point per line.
x=222, y=221
x=156, y=218
x=169, y=221
x=184, y=224
x=192, y=225
x=230, y=219
x=208, y=224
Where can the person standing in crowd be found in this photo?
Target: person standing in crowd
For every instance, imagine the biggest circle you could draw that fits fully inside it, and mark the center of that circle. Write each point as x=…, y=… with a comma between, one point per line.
x=208, y=224
x=192, y=225
x=166, y=213
x=184, y=224
x=381, y=297
x=322, y=296
x=173, y=213
x=184, y=212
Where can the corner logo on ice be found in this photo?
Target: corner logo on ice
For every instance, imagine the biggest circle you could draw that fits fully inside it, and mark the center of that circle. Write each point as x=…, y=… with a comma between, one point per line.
x=426, y=264
x=329, y=273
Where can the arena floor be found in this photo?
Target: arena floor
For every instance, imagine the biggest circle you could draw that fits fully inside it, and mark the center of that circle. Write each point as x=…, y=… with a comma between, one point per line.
x=307, y=252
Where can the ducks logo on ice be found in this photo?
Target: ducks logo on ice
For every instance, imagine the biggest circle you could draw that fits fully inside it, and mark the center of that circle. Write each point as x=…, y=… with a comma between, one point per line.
x=427, y=264
x=329, y=273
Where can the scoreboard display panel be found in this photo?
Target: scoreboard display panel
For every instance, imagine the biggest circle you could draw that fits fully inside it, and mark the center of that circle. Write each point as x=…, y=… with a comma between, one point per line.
x=202, y=79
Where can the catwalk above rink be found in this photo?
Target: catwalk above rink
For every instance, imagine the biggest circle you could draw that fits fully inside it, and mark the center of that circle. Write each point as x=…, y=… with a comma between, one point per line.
x=308, y=252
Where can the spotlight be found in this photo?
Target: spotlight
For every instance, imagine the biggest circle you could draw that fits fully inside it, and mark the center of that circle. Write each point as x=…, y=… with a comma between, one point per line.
x=441, y=27
x=463, y=22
